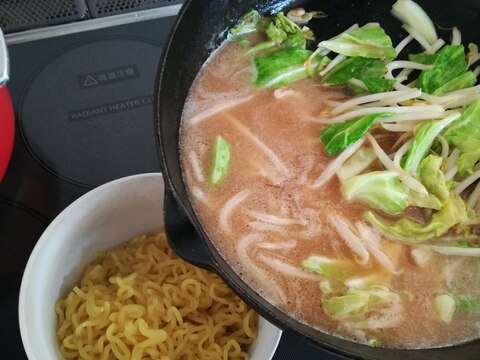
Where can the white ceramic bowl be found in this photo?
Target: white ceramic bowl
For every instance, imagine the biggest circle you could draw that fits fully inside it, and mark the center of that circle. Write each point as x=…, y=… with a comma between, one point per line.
x=101, y=219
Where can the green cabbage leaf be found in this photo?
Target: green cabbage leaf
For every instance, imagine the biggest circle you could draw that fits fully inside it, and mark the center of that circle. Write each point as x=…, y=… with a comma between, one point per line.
x=282, y=67
x=450, y=63
x=464, y=133
x=370, y=71
x=454, y=212
x=369, y=41
x=337, y=137
x=356, y=303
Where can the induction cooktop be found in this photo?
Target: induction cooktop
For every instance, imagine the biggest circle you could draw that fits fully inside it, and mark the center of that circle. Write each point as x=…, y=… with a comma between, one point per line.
x=82, y=85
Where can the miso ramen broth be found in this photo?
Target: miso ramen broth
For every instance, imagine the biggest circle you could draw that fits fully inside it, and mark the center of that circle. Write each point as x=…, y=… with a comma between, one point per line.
x=275, y=220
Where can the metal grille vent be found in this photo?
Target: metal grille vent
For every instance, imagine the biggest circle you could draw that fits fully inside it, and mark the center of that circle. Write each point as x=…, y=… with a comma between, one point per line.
x=101, y=8
x=18, y=15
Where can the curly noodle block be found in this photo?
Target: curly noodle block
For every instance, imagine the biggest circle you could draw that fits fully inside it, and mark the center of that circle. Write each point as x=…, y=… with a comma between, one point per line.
x=140, y=301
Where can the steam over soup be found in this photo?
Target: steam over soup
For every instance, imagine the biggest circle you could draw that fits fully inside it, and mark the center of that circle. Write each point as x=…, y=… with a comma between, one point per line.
x=341, y=183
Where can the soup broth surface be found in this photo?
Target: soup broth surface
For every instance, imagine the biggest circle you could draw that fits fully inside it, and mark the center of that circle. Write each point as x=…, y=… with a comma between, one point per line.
x=267, y=216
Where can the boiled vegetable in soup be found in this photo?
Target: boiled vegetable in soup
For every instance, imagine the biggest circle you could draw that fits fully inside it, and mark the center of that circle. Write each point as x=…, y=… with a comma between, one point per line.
x=339, y=177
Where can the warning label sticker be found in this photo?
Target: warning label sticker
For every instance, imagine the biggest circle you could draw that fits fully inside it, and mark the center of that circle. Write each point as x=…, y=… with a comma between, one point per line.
x=104, y=77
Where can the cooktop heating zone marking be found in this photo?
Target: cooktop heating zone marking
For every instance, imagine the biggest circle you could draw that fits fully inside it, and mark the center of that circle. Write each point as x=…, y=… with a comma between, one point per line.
x=110, y=108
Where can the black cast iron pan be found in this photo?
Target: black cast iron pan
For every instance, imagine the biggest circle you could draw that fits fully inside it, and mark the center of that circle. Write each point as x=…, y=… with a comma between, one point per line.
x=201, y=26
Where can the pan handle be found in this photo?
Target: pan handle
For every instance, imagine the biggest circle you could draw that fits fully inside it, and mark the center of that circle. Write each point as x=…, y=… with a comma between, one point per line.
x=183, y=237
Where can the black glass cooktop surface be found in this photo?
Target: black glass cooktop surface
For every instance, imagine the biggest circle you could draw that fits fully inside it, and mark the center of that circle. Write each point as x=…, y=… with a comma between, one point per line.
x=84, y=116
